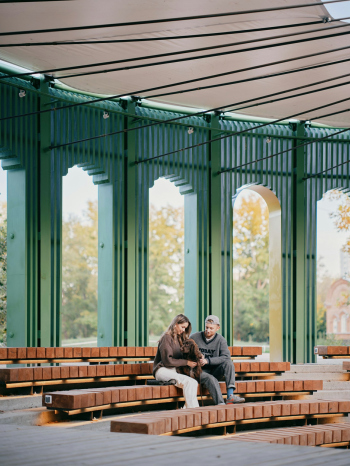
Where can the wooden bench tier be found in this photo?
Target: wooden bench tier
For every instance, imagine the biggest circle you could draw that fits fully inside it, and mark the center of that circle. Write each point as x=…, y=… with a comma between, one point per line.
x=38, y=376
x=336, y=352
x=103, y=354
x=115, y=397
x=346, y=366
x=325, y=435
x=181, y=421
x=68, y=354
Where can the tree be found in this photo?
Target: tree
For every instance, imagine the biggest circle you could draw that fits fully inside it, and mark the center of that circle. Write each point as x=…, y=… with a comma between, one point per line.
x=251, y=268
x=79, y=275
x=166, y=266
x=341, y=216
x=324, y=282
x=3, y=272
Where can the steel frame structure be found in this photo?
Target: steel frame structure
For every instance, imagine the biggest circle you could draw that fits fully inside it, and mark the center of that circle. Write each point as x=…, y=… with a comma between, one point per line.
x=117, y=166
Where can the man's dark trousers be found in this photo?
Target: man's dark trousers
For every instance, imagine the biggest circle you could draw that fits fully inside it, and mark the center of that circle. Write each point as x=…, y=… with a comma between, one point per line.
x=211, y=375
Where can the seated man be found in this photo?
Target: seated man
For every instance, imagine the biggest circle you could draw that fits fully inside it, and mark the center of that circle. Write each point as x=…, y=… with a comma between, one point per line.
x=216, y=362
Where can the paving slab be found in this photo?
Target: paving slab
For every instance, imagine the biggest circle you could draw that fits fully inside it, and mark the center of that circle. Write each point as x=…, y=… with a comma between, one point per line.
x=32, y=445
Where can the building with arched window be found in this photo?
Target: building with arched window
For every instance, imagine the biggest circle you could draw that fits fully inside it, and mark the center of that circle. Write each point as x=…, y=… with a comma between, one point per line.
x=338, y=309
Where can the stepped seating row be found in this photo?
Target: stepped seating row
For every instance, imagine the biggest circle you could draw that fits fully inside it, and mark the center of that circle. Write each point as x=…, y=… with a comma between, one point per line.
x=182, y=421
x=113, y=353
x=113, y=373
x=104, y=398
x=333, y=351
x=74, y=353
x=320, y=435
x=26, y=374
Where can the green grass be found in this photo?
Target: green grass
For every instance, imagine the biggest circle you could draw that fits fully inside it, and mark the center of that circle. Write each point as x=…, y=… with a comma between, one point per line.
x=91, y=341
x=331, y=340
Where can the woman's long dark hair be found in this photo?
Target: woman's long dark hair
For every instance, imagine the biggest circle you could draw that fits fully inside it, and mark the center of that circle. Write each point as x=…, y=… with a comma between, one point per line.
x=179, y=319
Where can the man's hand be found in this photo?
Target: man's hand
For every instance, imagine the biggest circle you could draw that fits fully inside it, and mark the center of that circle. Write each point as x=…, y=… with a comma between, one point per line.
x=191, y=364
x=203, y=362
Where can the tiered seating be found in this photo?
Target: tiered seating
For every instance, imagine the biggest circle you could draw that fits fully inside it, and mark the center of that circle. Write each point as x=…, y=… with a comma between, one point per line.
x=57, y=355
x=182, y=421
x=103, y=354
x=321, y=435
x=329, y=352
x=346, y=366
x=78, y=401
x=87, y=374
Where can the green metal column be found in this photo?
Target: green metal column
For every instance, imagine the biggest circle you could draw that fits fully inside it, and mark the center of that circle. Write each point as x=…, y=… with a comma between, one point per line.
x=299, y=326
x=50, y=221
x=17, y=317
x=106, y=256
x=131, y=189
x=191, y=261
x=216, y=304
x=110, y=330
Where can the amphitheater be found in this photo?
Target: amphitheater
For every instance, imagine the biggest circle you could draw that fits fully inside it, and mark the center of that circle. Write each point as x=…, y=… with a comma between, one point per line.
x=216, y=97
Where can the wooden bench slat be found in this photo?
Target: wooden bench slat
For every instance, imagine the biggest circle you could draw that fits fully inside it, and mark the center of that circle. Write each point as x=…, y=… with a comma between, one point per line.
x=110, y=370
x=149, y=392
x=331, y=351
x=220, y=414
x=32, y=353
x=302, y=435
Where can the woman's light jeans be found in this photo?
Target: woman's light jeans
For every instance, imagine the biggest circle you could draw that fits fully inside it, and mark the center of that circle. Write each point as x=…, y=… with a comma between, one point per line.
x=188, y=384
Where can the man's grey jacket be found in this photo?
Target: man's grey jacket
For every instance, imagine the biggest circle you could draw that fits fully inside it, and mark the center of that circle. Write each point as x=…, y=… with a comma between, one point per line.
x=216, y=351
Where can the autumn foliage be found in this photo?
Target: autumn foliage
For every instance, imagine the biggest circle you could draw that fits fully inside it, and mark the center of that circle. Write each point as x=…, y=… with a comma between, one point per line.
x=251, y=268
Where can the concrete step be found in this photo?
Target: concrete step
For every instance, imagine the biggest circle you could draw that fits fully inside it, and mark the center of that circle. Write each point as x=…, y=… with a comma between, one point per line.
x=12, y=403
x=29, y=417
x=330, y=395
x=310, y=368
x=330, y=376
x=100, y=425
x=335, y=385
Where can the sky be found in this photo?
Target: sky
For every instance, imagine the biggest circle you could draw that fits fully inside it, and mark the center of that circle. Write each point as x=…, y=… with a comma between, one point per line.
x=339, y=10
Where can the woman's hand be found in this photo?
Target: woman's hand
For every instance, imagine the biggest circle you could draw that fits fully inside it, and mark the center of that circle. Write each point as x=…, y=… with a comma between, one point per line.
x=191, y=364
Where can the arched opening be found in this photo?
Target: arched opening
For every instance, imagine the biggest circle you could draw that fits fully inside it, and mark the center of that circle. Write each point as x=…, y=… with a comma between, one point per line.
x=79, y=259
x=166, y=256
x=335, y=325
x=3, y=254
x=257, y=287
x=343, y=320
x=333, y=267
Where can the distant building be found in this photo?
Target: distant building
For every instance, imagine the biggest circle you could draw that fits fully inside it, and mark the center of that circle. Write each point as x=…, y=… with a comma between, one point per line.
x=345, y=265
x=338, y=309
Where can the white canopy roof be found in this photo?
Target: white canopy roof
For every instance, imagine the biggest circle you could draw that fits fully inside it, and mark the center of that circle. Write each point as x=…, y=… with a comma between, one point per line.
x=55, y=14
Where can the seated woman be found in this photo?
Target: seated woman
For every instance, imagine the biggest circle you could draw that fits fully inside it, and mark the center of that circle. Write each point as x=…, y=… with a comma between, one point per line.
x=169, y=357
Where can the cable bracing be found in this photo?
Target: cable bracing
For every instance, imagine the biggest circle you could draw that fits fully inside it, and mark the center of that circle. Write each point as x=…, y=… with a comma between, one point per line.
x=177, y=60
x=284, y=152
x=142, y=91
x=168, y=20
x=247, y=130
x=189, y=36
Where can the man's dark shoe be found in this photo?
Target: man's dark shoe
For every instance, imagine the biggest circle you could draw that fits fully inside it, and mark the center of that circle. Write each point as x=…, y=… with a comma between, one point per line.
x=234, y=399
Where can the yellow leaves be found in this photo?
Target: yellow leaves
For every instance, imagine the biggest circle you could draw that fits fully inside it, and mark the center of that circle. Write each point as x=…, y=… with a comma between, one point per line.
x=341, y=216
x=166, y=265
x=250, y=235
x=251, y=216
